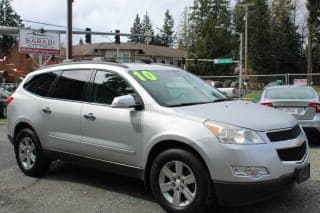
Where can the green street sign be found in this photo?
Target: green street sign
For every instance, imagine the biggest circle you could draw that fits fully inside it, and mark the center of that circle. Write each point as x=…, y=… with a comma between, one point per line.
x=223, y=61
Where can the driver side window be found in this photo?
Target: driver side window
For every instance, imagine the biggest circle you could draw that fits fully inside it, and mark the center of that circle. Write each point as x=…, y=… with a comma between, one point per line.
x=108, y=85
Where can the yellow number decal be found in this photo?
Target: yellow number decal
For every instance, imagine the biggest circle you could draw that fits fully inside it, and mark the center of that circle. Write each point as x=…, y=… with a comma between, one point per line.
x=145, y=75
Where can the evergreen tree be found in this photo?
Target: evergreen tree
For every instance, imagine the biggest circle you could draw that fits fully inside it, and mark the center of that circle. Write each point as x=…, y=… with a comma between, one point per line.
x=207, y=41
x=314, y=30
x=156, y=40
x=146, y=26
x=258, y=34
x=136, y=29
x=286, y=45
x=8, y=17
x=184, y=31
x=167, y=32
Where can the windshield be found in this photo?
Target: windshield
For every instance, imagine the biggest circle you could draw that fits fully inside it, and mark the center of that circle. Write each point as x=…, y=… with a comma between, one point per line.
x=176, y=87
x=290, y=93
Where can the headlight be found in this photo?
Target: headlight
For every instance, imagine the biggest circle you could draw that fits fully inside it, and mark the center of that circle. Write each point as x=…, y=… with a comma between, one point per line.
x=233, y=134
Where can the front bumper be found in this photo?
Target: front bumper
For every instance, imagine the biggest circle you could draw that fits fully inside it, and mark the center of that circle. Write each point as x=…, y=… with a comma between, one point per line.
x=235, y=194
x=222, y=157
x=231, y=189
x=230, y=193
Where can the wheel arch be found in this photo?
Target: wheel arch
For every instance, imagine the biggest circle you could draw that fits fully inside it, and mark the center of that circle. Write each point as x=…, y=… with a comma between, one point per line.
x=20, y=126
x=166, y=145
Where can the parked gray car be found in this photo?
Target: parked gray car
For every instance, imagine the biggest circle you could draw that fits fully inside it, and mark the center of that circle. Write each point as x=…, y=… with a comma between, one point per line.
x=302, y=102
x=194, y=147
x=4, y=94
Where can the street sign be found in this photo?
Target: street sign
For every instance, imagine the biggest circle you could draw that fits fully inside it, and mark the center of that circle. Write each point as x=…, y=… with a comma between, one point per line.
x=35, y=42
x=223, y=61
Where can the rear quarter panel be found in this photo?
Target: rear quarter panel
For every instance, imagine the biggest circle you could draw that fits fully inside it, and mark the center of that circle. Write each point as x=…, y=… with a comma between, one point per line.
x=25, y=108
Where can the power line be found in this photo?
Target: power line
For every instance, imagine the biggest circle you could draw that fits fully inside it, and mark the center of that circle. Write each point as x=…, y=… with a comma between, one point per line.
x=48, y=24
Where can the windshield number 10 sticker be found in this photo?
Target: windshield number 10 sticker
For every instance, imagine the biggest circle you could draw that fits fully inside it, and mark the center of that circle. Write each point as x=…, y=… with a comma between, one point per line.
x=145, y=75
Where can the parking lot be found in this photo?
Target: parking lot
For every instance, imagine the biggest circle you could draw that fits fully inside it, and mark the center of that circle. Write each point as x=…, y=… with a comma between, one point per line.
x=69, y=188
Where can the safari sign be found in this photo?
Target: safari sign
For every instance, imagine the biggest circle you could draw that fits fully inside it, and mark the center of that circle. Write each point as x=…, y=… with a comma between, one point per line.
x=36, y=42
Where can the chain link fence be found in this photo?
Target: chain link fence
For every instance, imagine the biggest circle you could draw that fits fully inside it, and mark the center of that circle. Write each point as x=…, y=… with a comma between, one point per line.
x=256, y=83
x=10, y=87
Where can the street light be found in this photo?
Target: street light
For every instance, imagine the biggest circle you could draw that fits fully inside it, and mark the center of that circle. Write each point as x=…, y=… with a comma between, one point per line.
x=240, y=56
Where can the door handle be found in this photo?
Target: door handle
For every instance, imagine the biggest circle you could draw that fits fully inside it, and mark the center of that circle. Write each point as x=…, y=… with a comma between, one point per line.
x=47, y=110
x=89, y=117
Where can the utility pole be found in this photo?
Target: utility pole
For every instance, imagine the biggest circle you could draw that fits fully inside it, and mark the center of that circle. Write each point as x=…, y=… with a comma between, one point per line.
x=246, y=41
x=240, y=58
x=69, y=30
x=186, y=34
x=309, y=58
x=246, y=37
x=240, y=63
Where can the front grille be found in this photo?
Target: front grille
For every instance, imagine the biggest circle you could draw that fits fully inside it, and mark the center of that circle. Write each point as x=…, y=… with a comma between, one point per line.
x=284, y=134
x=293, y=154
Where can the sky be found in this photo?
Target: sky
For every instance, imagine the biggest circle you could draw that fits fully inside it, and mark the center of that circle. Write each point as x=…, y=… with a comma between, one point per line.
x=103, y=15
x=99, y=15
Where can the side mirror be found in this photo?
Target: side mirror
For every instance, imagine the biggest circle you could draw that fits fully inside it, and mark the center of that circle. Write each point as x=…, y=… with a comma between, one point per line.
x=125, y=101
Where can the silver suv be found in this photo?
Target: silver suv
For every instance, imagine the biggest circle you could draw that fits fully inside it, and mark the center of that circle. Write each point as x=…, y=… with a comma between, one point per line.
x=193, y=146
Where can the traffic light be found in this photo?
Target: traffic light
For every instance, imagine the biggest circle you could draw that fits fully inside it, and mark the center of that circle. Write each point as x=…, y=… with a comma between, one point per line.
x=117, y=37
x=88, y=36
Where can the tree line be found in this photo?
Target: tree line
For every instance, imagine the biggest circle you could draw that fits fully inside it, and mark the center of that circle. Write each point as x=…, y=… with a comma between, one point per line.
x=277, y=41
x=143, y=27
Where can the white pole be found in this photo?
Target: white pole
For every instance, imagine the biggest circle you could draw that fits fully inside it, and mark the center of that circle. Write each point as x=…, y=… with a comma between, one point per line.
x=118, y=60
x=240, y=64
x=246, y=41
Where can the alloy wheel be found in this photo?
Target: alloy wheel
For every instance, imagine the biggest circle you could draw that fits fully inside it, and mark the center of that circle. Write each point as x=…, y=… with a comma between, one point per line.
x=27, y=153
x=177, y=183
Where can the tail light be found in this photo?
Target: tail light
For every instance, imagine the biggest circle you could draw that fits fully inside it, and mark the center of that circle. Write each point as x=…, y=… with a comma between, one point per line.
x=268, y=104
x=315, y=105
x=9, y=100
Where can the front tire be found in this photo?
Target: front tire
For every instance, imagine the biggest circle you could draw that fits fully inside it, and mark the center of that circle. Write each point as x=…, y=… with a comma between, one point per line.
x=180, y=182
x=29, y=154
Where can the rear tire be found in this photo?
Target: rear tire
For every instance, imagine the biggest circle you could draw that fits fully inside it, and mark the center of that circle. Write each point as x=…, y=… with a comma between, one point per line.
x=181, y=183
x=29, y=154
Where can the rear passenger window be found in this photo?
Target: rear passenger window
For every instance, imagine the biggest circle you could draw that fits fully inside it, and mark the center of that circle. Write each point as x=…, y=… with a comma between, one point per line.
x=71, y=85
x=107, y=86
x=40, y=84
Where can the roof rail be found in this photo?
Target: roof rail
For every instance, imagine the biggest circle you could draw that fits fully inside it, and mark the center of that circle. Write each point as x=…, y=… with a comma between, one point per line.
x=167, y=65
x=145, y=61
x=104, y=59
x=67, y=60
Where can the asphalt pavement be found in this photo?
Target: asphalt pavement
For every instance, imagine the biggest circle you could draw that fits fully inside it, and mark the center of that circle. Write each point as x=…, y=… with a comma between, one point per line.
x=70, y=188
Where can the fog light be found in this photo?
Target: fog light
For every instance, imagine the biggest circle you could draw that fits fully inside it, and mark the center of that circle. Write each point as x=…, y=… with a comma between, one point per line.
x=249, y=171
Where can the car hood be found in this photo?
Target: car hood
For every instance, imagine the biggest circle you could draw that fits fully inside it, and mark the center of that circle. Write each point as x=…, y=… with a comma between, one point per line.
x=240, y=113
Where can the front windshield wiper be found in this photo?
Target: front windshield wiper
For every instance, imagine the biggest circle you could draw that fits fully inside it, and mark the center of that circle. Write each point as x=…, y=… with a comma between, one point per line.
x=196, y=103
x=188, y=104
x=222, y=99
